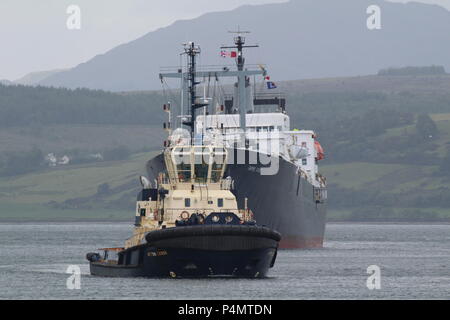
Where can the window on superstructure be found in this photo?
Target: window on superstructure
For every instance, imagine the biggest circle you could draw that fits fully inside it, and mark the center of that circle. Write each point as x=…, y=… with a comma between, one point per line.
x=218, y=162
x=184, y=172
x=182, y=158
x=304, y=161
x=220, y=202
x=187, y=202
x=201, y=165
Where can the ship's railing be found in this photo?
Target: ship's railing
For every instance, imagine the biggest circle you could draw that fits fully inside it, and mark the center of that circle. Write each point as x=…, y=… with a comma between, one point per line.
x=322, y=180
x=261, y=95
x=163, y=180
x=320, y=194
x=226, y=184
x=172, y=214
x=135, y=239
x=305, y=175
x=270, y=95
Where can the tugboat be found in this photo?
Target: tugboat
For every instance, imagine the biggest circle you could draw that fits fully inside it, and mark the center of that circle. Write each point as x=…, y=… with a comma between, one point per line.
x=188, y=222
x=189, y=225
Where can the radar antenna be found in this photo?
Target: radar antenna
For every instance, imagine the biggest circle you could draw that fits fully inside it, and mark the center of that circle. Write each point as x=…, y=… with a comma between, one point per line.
x=243, y=80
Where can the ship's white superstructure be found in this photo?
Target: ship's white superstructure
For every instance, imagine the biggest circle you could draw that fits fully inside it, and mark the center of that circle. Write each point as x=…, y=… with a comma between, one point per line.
x=267, y=133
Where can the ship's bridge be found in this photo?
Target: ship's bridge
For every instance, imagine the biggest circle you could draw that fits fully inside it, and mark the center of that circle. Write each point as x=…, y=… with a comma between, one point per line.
x=255, y=122
x=196, y=164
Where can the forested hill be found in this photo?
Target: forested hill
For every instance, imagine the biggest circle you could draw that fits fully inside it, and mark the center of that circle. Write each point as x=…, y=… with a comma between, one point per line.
x=386, y=138
x=28, y=106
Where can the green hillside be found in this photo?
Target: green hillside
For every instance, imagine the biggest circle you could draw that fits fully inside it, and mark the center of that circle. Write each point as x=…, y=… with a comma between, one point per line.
x=73, y=193
x=386, y=139
x=400, y=190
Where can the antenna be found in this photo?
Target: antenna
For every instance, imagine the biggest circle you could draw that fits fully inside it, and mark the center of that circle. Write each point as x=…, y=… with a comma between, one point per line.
x=239, y=42
x=239, y=31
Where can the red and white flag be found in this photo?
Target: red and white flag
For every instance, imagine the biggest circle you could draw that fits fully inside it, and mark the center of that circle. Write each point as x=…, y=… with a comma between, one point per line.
x=224, y=54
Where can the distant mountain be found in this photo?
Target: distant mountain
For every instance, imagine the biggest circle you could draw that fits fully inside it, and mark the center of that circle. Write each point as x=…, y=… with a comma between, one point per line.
x=299, y=39
x=33, y=78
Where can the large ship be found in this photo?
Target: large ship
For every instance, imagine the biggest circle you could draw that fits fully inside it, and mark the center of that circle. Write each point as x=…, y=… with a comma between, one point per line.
x=272, y=165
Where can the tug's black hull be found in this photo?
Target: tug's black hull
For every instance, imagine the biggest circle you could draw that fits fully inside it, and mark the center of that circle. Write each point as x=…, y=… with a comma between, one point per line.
x=198, y=251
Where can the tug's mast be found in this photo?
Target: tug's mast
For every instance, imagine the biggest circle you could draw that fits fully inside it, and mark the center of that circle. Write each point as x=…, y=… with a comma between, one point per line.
x=192, y=51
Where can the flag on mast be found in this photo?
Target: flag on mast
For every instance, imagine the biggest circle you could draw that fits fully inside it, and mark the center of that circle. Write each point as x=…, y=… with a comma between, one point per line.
x=225, y=54
x=271, y=85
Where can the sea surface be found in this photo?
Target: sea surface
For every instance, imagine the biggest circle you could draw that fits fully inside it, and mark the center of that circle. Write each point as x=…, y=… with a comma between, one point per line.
x=414, y=262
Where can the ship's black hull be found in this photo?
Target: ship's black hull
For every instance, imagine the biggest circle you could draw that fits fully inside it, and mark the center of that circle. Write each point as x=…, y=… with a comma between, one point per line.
x=197, y=252
x=209, y=264
x=284, y=201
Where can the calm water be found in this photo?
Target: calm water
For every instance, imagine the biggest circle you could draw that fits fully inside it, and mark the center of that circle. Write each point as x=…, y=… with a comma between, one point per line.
x=414, y=262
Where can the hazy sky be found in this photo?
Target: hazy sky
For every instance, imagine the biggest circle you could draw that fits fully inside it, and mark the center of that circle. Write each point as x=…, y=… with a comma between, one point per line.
x=34, y=35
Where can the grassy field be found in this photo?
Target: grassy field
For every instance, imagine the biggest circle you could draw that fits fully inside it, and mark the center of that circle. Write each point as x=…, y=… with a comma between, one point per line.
x=27, y=196
x=357, y=174
x=395, y=180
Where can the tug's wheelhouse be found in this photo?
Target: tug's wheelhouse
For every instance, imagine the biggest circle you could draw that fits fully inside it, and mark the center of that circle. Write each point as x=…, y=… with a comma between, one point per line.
x=196, y=164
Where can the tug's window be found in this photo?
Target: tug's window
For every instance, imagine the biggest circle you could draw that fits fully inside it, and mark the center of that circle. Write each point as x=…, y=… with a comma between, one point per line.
x=220, y=202
x=201, y=167
x=304, y=162
x=215, y=176
x=216, y=171
x=184, y=172
x=217, y=165
x=187, y=202
x=142, y=212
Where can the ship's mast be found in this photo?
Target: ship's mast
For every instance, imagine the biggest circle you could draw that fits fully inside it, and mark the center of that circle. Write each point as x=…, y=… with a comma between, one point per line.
x=189, y=79
x=242, y=83
x=192, y=51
